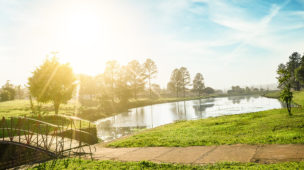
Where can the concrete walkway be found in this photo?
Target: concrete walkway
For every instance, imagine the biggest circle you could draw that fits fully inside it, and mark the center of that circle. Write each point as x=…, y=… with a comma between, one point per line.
x=204, y=154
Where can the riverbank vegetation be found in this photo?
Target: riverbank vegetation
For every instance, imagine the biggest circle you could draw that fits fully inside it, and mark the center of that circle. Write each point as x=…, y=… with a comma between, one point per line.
x=89, y=164
x=117, y=89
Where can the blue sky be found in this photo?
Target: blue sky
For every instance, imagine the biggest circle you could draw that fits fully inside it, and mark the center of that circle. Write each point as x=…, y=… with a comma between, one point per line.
x=237, y=42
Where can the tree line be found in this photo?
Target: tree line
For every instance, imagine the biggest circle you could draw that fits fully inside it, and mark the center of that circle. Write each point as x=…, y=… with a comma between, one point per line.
x=55, y=82
x=180, y=82
x=10, y=92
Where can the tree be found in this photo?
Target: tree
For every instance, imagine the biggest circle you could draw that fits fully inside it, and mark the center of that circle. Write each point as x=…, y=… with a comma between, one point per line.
x=299, y=72
x=88, y=86
x=136, y=77
x=123, y=90
x=185, y=79
x=285, y=80
x=175, y=81
x=7, y=92
x=292, y=65
x=209, y=90
x=111, y=74
x=19, y=92
x=150, y=72
x=198, y=84
x=53, y=82
x=156, y=89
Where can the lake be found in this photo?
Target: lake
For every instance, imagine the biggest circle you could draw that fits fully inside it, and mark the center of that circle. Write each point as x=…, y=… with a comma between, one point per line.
x=160, y=114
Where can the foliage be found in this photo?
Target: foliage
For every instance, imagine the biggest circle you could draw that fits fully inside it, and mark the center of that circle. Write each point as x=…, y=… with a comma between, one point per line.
x=208, y=90
x=7, y=92
x=198, y=84
x=292, y=65
x=71, y=163
x=237, y=90
x=285, y=81
x=174, y=84
x=52, y=81
x=88, y=86
x=266, y=127
x=185, y=79
x=150, y=72
x=111, y=74
x=136, y=77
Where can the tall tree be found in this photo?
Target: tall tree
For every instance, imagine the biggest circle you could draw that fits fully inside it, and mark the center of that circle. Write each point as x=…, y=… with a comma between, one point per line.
x=198, y=84
x=293, y=63
x=185, y=79
x=150, y=72
x=111, y=75
x=285, y=80
x=175, y=81
x=53, y=82
x=136, y=77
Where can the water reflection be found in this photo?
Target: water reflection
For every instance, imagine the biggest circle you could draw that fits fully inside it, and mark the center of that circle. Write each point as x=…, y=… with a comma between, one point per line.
x=160, y=114
x=200, y=107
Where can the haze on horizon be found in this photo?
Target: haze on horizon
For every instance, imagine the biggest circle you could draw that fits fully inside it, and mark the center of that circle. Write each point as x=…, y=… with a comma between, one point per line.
x=230, y=43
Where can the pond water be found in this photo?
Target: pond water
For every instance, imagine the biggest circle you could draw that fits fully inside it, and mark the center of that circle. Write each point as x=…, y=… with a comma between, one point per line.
x=160, y=114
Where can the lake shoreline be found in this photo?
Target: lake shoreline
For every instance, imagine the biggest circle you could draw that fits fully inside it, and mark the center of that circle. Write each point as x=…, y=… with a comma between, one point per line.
x=150, y=102
x=161, y=114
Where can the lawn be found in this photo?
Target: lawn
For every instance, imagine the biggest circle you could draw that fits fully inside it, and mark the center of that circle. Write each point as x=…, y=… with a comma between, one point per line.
x=298, y=97
x=22, y=108
x=266, y=127
x=273, y=94
x=88, y=164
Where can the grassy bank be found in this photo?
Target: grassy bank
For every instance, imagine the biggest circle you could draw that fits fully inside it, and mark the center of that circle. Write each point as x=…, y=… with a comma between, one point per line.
x=88, y=164
x=298, y=97
x=22, y=108
x=266, y=127
x=272, y=94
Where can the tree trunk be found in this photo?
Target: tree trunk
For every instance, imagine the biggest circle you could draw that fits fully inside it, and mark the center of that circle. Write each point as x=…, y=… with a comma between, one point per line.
x=150, y=85
x=176, y=91
x=289, y=108
x=135, y=94
x=56, y=107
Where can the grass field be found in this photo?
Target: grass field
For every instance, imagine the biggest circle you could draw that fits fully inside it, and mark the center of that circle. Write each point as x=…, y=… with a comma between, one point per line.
x=266, y=127
x=88, y=164
x=22, y=108
x=273, y=94
x=298, y=97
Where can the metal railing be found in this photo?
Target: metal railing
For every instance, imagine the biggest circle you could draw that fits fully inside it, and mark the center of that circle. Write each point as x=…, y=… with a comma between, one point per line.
x=64, y=138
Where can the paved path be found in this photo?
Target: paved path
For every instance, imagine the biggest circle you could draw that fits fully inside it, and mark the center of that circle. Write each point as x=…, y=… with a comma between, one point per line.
x=204, y=154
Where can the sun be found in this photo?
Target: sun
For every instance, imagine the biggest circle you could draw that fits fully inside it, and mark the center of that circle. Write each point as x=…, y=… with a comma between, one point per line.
x=83, y=27
x=87, y=34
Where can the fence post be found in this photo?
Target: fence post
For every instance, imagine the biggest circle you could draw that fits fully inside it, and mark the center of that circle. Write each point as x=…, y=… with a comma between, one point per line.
x=3, y=120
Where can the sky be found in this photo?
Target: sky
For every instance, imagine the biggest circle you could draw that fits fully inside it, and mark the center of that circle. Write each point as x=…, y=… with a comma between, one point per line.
x=237, y=42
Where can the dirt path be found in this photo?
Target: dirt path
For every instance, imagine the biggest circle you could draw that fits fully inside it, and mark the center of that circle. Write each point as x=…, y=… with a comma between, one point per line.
x=204, y=154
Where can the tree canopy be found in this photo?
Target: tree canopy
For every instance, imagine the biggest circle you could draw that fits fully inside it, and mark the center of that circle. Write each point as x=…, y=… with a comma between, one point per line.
x=150, y=72
x=52, y=82
x=198, y=84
